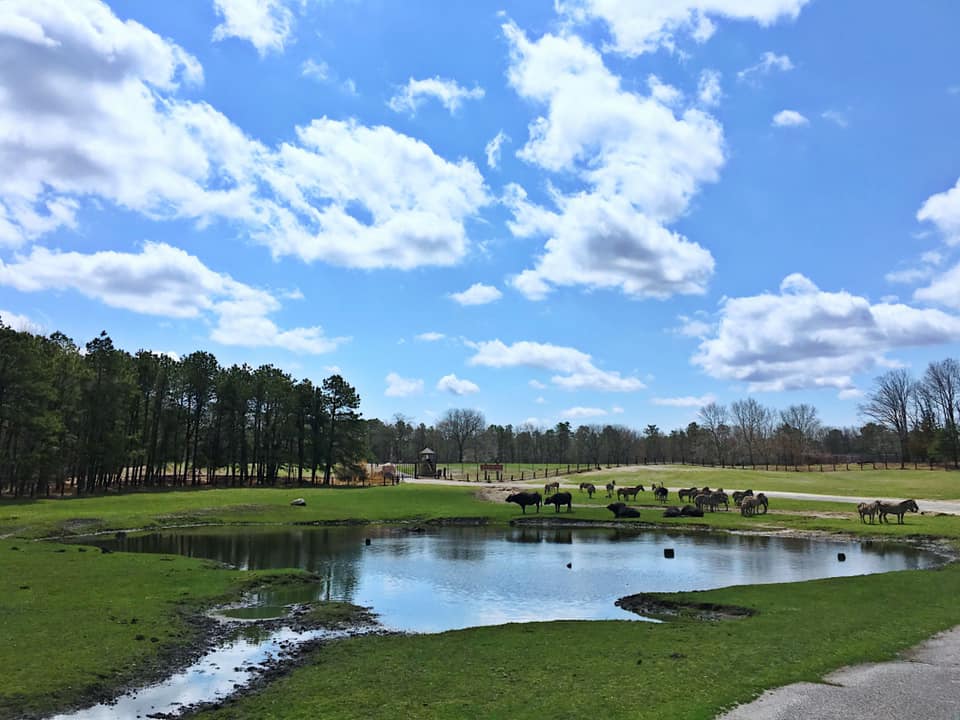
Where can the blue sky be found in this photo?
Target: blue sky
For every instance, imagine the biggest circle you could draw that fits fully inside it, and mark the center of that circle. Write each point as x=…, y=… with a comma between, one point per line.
x=689, y=201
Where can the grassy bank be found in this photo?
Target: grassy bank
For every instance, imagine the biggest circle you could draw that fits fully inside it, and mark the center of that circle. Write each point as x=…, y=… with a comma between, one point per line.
x=76, y=623
x=682, y=669
x=67, y=629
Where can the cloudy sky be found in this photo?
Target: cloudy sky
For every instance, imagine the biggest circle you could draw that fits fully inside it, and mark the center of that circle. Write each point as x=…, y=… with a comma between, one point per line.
x=596, y=210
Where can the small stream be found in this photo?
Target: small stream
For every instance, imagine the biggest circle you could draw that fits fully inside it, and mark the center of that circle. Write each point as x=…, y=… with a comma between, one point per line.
x=443, y=579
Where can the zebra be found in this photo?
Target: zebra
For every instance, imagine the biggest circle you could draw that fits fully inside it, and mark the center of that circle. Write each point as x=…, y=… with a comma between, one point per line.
x=738, y=496
x=661, y=493
x=868, y=510
x=898, y=509
x=610, y=486
x=555, y=486
x=628, y=492
x=750, y=505
x=590, y=488
x=687, y=493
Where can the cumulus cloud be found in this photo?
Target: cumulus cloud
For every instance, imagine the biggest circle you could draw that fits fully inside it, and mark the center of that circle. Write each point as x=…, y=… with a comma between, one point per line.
x=640, y=164
x=455, y=386
x=398, y=386
x=804, y=337
x=943, y=210
x=708, y=88
x=836, y=117
x=944, y=289
x=686, y=401
x=695, y=327
x=579, y=413
x=789, y=118
x=18, y=322
x=315, y=70
x=267, y=24
x=93, y=113
x=642, y=27
x=769, y=63
x=492, y=149
x=166, y=281
x=477, y=294
x=449, y=93
x=430, y=336
x=576, y=369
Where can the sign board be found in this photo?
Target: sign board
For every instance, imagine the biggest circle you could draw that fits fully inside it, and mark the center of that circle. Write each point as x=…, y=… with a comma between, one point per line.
x=493, y=467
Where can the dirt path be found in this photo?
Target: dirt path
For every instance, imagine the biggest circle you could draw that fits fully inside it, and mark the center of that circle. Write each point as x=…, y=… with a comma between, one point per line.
x=948, y=507
x=924, y=683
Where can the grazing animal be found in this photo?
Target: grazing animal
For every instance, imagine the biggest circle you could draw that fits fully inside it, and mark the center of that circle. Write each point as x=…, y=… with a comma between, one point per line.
x=870, y=510
x=620, y=510
x=719, y=498
x=899, y=509
x=704, y=500
x=751, y=505
x=591, y=489
x=661, y=494
x=558, y=499
x=610, y=486
x=762, y=502
x=525, y=498
x=584, y=486
x=628, y=492
x=688, y=493
x=738, y=496
x=555, y=486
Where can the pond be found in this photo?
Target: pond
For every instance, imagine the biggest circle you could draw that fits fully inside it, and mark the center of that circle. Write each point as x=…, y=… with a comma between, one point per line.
x=447, y=578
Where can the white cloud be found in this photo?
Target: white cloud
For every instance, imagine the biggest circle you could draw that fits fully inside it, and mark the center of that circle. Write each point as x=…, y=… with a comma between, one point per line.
x=267, y=24
x=540, y=400
x=836, y=117
x=617, y=410
x=402, y=387
x=708, y=88
x=431, y=336
x=450, y=94
x=640, y=164
x=93, y=113
x=850, y=394
x=477, y=294
x=21, y=323
x=789, y=118
x=537, y=385
x=693, y=327
x=576, y=413
x=492, y=149
x=687, y=401
x=804, y=337
x=768, y=63
x=455, y=386
x=168, y=282
x=645, y=26
x=944, y=289
x=316, y=70
x=943, y=210
x=577, y=369
x=662, y=92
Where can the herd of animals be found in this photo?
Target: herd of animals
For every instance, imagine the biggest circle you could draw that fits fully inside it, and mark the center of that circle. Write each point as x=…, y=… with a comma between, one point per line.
x=697, y=500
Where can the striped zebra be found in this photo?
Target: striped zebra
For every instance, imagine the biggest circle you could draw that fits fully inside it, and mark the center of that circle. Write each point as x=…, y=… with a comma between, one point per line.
x=870, y=510
x=899, y=509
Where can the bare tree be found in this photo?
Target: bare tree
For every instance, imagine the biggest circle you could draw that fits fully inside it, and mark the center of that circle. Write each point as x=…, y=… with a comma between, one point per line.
x=461, y=426
x=716, y=421
x=942, y=383
x=752, y=421
x=802, y=422
x=889, y=403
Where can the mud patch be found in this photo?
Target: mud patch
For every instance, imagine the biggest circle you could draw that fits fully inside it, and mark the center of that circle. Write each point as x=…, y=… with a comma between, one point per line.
x=654, y=606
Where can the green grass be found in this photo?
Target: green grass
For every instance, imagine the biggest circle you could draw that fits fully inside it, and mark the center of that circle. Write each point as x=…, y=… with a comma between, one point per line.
x=612, y=669
x=932, y=485
x=69, y=634
x=75, y=622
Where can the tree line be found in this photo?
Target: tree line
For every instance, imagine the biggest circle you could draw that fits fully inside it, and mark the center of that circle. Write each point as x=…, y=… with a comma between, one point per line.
x=907, y=420
x=95, y=418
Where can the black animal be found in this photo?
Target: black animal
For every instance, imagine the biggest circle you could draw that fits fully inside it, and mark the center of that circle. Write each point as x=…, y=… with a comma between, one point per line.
x=525, y=498
x=590, y=488
x=620, y=510
x=691, y=511
x=661, y=493
x=671, y=512
x=688, y=493
x=558, y=499
x=610, y=486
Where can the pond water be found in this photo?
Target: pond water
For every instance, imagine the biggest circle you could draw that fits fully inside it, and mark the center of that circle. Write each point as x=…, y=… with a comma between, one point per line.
x=447, y=578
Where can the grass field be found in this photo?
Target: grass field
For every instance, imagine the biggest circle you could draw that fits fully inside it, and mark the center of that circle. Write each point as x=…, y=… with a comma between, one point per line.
x=66, y=629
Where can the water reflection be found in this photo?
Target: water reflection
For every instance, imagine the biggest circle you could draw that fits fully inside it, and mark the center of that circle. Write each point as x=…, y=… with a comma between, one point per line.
x=448, y=578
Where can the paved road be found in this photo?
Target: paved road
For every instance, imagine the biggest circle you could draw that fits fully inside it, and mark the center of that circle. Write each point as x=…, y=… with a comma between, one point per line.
x=950, y=507
x=924, y=684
